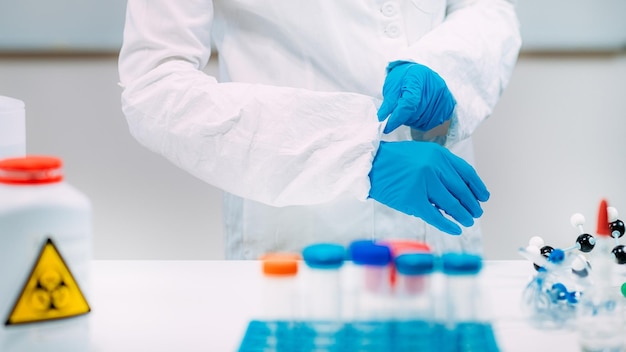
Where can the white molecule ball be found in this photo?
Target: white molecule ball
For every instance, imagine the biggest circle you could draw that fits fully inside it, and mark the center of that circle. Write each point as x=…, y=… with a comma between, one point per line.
x=536, y=241
x=577, y=219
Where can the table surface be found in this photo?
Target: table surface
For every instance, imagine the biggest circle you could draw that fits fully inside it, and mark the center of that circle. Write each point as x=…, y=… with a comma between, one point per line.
x=206, y=306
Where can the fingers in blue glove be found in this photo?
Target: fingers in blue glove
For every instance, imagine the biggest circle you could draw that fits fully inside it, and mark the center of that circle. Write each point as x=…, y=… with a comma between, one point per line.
x=415, y=96
x=423, y=179
x=445, y=199
x=456, y=184
x=471, y=179
x=407, y=105
x=434, y=217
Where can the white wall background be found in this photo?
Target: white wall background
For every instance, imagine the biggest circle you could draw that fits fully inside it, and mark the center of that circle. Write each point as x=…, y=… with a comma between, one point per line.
x=554, y=146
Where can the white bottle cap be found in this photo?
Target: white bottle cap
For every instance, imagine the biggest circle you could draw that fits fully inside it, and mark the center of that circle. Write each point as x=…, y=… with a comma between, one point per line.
x=12, y=128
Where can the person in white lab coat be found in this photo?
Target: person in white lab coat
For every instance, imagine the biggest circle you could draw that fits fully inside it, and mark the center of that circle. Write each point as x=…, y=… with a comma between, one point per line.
x=290, y=128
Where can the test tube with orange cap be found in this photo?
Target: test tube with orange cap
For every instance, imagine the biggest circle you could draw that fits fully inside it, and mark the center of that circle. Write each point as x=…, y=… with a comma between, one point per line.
x=280, y=287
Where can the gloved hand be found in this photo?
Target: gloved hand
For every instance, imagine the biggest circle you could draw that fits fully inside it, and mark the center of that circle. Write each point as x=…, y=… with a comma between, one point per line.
x=421, y=178
x=415, y=96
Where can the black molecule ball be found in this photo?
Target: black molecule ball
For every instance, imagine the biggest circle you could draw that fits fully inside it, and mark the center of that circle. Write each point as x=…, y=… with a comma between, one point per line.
x=545, y=251
x=586, y=242
x=617, y=228
x=620, y=255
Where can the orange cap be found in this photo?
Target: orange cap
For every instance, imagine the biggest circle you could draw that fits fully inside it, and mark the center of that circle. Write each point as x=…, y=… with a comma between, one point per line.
x=280, y=264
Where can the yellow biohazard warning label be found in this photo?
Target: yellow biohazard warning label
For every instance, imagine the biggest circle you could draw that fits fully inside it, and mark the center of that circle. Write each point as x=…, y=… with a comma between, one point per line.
x=50, y=291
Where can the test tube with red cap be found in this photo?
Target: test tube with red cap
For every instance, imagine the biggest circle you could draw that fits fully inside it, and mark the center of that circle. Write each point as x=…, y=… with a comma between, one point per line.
x=600, y=317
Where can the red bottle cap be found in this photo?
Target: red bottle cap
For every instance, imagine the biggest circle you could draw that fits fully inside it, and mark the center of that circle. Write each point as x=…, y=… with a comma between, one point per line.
x=31, y=170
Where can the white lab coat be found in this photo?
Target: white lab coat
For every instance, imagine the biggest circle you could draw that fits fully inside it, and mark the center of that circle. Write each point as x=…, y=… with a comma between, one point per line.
x=289, y=129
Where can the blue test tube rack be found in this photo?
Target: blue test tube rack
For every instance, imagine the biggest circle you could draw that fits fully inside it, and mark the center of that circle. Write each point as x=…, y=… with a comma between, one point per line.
x=405, y=336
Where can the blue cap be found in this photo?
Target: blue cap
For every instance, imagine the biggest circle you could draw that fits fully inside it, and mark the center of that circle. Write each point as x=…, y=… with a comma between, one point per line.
x=461, y=263
x=324, y=255
x=368, y=252
x=415, y=263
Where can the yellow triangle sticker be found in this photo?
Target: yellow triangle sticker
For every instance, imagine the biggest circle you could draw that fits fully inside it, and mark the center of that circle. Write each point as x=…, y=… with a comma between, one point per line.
x=50, y=293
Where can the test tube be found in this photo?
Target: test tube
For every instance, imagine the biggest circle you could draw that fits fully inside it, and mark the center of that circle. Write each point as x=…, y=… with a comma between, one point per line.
x=467, y=327
x=403, y=246
x=371, y=325
x=414, y=303
x=463, y=294
x=322, y=281
x=600, y=317
x=279, y=292
x=277, y=328
x=413, y=292
x=322, y=296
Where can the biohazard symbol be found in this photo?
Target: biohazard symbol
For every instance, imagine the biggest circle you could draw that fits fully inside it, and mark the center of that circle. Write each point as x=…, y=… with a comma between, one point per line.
x=50, y=292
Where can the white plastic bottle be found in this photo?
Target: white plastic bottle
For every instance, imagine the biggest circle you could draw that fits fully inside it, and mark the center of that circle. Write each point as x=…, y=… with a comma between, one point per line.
x=12, y=128
x=45, y=252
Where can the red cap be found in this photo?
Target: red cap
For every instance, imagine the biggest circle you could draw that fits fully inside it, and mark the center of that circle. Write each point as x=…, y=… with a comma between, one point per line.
x=403, y=246
x=31, y=170
x=603, y=228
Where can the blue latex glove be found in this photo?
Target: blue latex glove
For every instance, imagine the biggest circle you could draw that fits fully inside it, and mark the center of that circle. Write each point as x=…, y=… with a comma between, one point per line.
x=415, y=96
x=421, y=178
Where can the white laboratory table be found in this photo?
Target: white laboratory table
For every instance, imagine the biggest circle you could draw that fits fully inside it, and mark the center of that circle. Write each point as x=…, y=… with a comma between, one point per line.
x=206, y=305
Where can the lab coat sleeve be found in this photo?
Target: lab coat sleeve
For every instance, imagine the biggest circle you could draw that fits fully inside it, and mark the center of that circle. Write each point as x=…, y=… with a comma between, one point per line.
x=275, y=145
x=474, y=50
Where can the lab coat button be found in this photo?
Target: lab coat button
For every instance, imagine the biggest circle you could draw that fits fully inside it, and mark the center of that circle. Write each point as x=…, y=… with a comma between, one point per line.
x=389, y=9
x=392, y=30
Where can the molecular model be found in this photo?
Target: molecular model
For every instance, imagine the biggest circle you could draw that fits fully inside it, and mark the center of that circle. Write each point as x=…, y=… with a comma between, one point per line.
x=562, y=275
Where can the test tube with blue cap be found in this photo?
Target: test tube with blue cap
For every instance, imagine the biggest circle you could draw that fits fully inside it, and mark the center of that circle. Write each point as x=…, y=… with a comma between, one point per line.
x=466, y=314
x=413, y=286
x=371, y=263
x=322, y=295
x=322, y=281
x=414, y=303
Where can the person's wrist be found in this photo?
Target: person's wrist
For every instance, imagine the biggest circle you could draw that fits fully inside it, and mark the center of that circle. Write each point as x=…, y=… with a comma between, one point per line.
x=398, y=63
